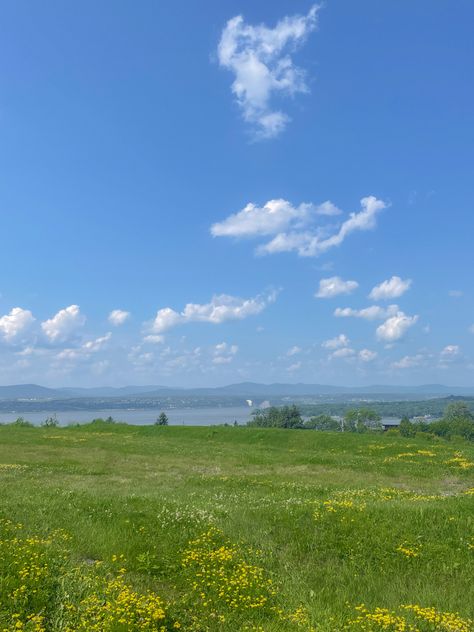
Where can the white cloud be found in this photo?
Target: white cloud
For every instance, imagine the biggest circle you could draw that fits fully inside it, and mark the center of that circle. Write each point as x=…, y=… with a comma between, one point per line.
x=61, y=326
x=269, y=219
x=92, y=346
x=292, y=227
x=85, y=350
x=294, y=367
x=118, y=317
x=15, y=323
x=221, y=308
x=471, y=329
x=334, y=286
x=260, y=60
x=222, y=360
x=456, y=293
x=224, y=353
x=391, y=288
x=373, y=312
x=166, y=318
x=366, y=355
x=328, y=208
x=293, y=351
x=345, y=352
x=408, y=362
x=313, y=244
x=141, y=360
x=335, y=343
x=395, y=327
x=154, y=339
x=450, y=351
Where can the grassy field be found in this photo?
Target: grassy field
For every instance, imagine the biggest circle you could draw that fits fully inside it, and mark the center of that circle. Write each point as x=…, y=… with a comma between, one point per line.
x=114, y=527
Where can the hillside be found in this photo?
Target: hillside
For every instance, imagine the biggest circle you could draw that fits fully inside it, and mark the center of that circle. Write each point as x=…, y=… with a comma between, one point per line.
x=242, y=390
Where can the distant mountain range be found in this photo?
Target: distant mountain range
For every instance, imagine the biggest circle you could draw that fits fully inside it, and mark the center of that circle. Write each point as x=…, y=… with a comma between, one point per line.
x=248, y=390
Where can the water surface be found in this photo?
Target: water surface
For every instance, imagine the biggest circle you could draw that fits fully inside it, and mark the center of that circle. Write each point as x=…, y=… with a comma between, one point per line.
x=141, y=417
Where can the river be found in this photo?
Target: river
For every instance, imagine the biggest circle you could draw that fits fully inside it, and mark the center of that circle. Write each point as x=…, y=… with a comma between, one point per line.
x=141, y=417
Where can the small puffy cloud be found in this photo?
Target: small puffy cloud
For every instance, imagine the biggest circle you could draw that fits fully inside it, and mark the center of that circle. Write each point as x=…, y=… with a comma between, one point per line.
x=63, y=324
x=118, y=317
x=269, y=219
x=260, y=60
x=333, y=286
x=336, y=343
x=345, y=352
x=166, y=318
x=328, y=208
x=293, y=351
x=221, y=308
x=224, y=353
x=395, y=327
x=16, y=322
x=391, y=288
x=373, y=312
x=456, y=293
x=450, y=351
x=292, y=227
x=366, y=355
x=471, y=329
x=408, y=362
x=154, y=339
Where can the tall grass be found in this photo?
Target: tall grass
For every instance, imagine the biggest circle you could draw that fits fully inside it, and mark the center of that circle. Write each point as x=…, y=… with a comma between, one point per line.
x=116, y=527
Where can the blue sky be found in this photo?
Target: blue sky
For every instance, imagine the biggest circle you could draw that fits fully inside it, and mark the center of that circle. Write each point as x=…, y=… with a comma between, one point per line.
x=134, y=135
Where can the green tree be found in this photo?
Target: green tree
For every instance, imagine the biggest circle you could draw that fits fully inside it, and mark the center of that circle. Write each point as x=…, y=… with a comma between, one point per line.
x=162, y=420
x=21, y=422
x=406, y=428
x=277, y=417
x=322, y=422
x=361, y=420
x=457, y=411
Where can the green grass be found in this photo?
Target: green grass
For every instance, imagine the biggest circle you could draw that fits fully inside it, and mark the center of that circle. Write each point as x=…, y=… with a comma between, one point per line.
x=233, y=529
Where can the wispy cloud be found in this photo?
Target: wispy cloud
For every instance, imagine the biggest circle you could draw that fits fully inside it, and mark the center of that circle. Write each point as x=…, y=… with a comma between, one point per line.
x=260, y=59
x=85, y=350
x=373, y=312
x=408, y=362
x=293, y=351
x=296, y=228
x=336, y=343
x=450, y=351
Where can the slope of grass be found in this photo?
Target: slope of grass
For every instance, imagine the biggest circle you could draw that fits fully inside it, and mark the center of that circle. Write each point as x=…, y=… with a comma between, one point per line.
x=115, y=527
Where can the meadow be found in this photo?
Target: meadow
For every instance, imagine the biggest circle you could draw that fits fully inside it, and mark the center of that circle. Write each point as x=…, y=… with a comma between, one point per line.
x=110, y=527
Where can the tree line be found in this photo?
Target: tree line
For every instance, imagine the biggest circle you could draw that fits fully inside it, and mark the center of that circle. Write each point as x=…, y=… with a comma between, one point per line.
x=354, y=420
x=457, y=420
